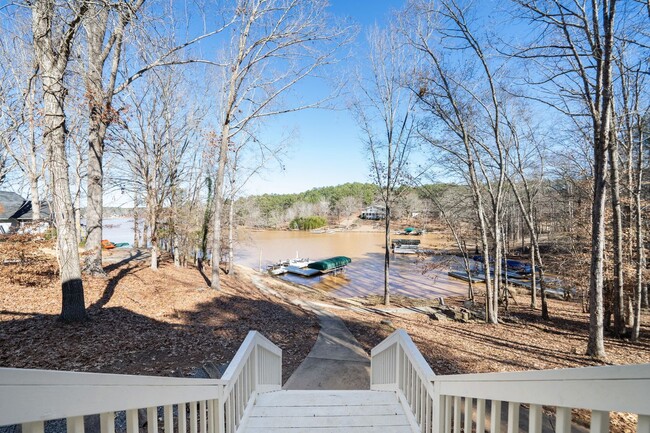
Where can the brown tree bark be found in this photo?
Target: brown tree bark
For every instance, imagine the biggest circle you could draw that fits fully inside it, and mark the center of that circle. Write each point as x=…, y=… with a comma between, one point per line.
x=52, y=57
x=617, y=242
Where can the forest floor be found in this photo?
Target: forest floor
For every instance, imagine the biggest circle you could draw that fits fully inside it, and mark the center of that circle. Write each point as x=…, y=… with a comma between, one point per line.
x=140, y=321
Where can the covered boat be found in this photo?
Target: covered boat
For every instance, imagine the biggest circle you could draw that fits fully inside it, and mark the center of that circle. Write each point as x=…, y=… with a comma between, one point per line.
x=330, y=264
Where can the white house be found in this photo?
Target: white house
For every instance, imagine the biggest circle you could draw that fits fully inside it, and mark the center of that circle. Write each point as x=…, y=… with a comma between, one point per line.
x=373, y=212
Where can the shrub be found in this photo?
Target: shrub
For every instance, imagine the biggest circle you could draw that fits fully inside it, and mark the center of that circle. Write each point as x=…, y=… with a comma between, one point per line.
x=308, y=223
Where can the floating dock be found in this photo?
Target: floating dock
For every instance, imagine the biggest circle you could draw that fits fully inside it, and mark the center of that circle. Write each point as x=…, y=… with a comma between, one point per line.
x=303, y=272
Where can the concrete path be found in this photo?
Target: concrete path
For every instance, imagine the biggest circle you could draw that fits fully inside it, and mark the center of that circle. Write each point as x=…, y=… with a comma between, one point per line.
x=336, y=361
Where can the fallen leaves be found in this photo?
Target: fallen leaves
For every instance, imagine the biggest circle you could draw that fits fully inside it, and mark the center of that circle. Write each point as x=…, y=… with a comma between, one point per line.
x=141, y=321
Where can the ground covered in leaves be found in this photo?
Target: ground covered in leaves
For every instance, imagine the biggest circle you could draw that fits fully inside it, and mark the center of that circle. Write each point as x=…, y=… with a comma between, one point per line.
x=164, y=322
x=522, y=341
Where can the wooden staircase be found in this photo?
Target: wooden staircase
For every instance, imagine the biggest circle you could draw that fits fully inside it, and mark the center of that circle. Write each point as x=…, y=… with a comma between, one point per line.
x=327, y=412
x=405, y=396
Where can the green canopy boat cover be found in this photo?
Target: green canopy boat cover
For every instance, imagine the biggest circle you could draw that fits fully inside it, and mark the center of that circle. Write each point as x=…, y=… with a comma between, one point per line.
x=331, y=263
x=408, y=230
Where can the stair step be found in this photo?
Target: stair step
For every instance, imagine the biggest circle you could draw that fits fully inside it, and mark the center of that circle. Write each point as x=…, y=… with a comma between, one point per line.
x=328, y=412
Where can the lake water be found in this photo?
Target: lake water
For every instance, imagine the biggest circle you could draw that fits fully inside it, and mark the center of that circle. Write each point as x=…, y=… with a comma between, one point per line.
x=409, y=275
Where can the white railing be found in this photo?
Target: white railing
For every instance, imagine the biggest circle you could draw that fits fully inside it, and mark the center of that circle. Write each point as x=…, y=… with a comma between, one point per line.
x=256, y=367
x=398, y=365
x=447, y=404
x=30, y=397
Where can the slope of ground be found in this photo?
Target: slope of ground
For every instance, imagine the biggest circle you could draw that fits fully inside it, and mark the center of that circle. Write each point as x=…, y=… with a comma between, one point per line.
x=163, y=322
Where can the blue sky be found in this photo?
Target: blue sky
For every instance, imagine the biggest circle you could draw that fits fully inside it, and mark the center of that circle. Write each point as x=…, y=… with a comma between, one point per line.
x=326, y=148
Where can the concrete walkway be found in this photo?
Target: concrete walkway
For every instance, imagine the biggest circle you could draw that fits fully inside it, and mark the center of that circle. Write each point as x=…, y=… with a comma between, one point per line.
x=336, y=361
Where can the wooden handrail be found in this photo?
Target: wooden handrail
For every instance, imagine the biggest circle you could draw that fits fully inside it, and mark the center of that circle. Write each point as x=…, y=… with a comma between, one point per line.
x=438, y=404
x=30, y=397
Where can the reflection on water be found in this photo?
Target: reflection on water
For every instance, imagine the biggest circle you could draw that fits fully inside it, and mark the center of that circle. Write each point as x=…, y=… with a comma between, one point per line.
x=409, y=275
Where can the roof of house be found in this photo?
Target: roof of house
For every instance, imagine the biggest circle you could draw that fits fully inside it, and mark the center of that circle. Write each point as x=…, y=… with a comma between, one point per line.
x=13, y=206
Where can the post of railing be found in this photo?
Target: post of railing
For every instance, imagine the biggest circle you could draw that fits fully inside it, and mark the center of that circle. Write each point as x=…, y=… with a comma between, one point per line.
x=256, y=367
x=398, y=365
x=220, y=421
x=438, y=409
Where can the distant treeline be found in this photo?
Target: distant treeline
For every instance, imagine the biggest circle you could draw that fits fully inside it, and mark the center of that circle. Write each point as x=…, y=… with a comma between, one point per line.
x=332, y=202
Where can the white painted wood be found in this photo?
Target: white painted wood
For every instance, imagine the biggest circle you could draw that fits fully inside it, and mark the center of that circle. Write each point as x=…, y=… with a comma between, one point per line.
x=643, y=424
x=317, y=411
x=495, y=416
x=335, y=411
x=107, y=422
x=467, y=424
x=152, y=420
x=448, y=401
x=132, y=425
x=221, y=422
x=385, y=421
x=438, y=413
x=535, y=418
x=33, y=427
x=75, y=424
x=203, y=420
x=480, y=415
x=24, y=403
x=211, y=413
x=599, y=422
x=324, y=398
x=594, y=394
x=193, y=418
x=168, y=419
x=406, y=409
x=457, y=410
x=563, y=420
x=182, y=417
x=410, y=349
x=380, y=429
x=513, y=417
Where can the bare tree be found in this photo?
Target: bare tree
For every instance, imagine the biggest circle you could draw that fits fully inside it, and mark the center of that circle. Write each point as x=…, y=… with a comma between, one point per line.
x=20, y=112
x=464, y=99
x=106, y=42
x=155, y=144
x=385, y=113
x=275, y=45
x=53, y=38
x=574, y=54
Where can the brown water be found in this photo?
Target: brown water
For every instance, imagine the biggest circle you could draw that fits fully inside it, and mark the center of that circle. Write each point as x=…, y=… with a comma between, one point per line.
x=409, y=275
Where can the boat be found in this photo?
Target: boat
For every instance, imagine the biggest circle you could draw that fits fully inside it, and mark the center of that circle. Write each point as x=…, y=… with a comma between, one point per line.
x=332, y=264
x=282, y=266
x=406, y=249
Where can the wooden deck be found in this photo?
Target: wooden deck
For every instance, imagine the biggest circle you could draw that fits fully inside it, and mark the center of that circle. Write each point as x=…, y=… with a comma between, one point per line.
x=327, y=412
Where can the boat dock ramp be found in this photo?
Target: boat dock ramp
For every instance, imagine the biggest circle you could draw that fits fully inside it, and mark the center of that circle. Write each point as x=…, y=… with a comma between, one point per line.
x=516, y=280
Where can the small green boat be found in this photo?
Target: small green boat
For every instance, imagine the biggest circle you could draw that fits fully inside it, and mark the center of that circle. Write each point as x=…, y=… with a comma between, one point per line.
x=330, y=264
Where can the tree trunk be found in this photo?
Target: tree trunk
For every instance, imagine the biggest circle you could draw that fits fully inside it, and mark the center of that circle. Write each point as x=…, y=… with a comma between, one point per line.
x=596, y=345
x=640, y=247
x=155, y=248
x=35, y=198
x=136, y=223
x=231, y=234
x=533, y=273
x=96, y=26
x=53, y=64
x=218, y=205
x=617, y=223
x=387, y=257
x=145, y=234
x=95, y=199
